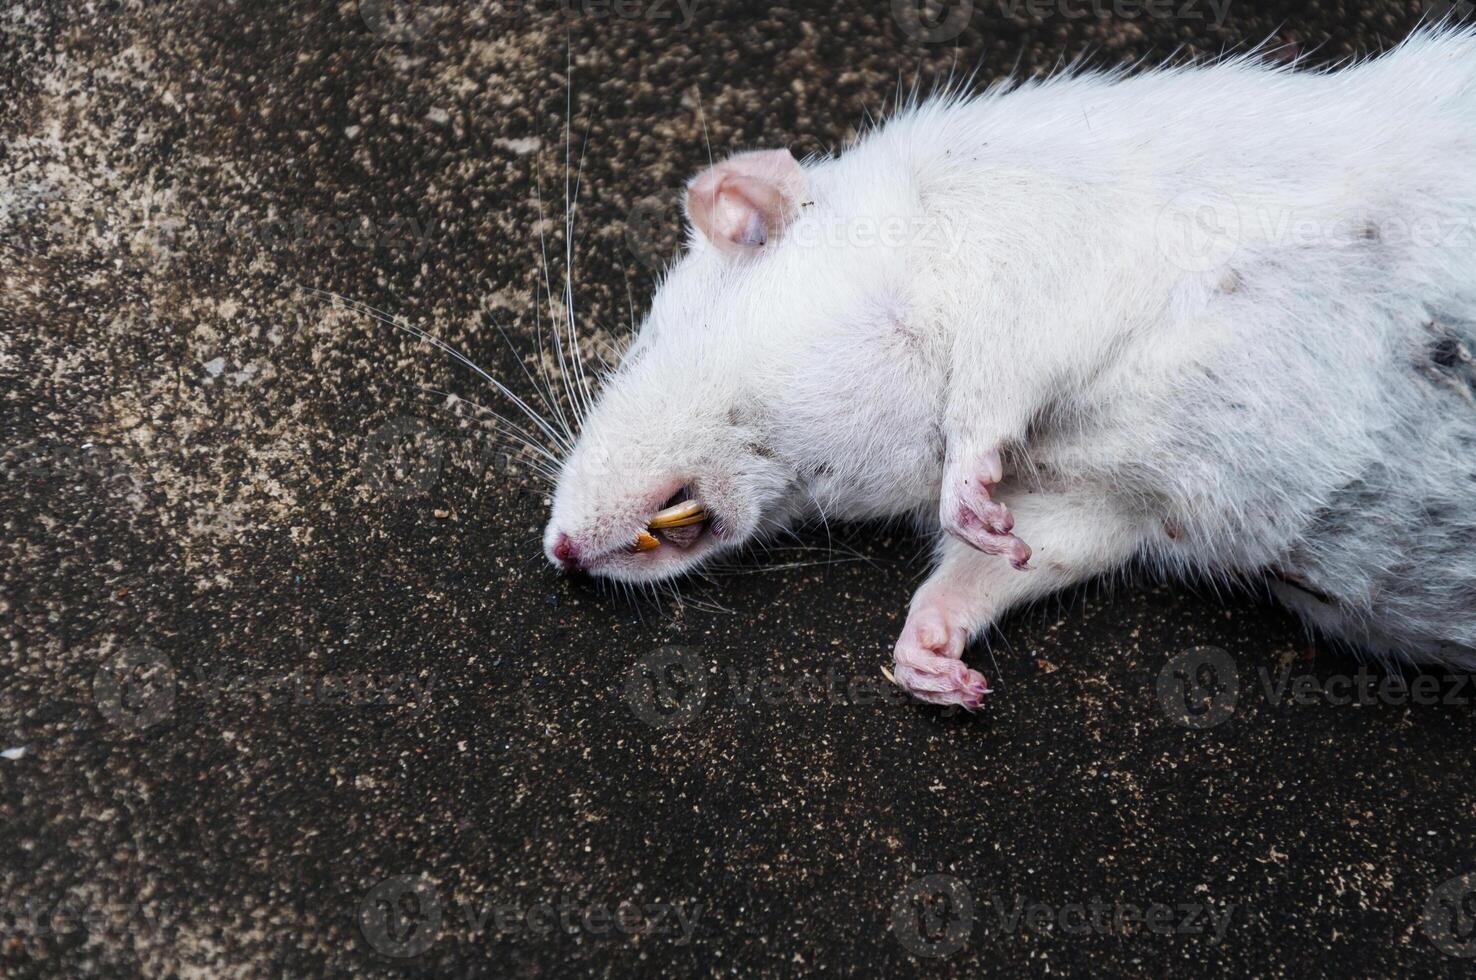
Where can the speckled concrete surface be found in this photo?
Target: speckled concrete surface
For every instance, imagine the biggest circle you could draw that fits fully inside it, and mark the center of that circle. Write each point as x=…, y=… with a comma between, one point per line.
x=286, y=689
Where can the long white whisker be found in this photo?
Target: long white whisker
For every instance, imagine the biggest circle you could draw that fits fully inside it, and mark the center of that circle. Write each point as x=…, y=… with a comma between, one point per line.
x=553, y=324
x=385, y=318
x=570, y=207
x=558, y=407
x=513, y=431
x=545, y=394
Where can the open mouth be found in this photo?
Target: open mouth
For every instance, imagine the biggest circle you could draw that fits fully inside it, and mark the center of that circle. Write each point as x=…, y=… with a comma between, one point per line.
x=680, y=524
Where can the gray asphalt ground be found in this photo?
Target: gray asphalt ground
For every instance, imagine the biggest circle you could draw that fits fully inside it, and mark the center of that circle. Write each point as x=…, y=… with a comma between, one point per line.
x=286, y=688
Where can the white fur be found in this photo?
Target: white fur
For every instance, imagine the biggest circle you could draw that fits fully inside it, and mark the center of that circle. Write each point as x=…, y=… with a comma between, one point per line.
x=1294, y=395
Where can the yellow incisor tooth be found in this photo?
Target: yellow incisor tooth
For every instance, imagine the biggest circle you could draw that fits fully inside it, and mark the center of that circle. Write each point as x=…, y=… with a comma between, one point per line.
x=681, y=515
x=645, y=542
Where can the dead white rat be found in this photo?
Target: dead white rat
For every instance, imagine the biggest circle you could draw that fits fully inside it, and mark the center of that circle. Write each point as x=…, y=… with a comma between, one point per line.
x=1216, y=319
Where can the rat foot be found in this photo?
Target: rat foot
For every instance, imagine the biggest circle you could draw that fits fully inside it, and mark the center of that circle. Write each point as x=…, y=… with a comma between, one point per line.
x=927, y=665
x=973, y=516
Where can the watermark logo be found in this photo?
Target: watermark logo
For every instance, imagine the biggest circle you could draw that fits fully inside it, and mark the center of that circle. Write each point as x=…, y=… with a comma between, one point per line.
x=87, y=461
x=135, y=688
x=667, y=688
x=1098, y=916
x=91, y=918
x=653, y=232
x=653, y=228
x=1193, y=11
x=679, y=12
x=402, y=459
x=1199, y=688
x=300, y=690
x=932, y=21
x=1450, y=916
x=398, y=21
x=404, y=916
x=933, y=916
x=405, y=457
x=1366, y=688
x=401, y=916
x=670, y=686
x=1198, y=231
x=1443, y=10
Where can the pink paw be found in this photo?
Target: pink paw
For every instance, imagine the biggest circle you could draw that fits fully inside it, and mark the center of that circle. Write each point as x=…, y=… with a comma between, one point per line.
x=926, y=663
x=971, y=514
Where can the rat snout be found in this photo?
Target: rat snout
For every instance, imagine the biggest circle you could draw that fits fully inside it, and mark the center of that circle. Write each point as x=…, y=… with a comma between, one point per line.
x=565, y=553
x=650, y=541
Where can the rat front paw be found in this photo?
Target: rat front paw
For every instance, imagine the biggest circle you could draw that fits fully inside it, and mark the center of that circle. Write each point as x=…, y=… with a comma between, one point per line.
x=971, y=514
x=926, y=663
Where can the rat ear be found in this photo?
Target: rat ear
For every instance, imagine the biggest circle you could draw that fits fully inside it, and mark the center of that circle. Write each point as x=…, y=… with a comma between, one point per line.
x=745, y=201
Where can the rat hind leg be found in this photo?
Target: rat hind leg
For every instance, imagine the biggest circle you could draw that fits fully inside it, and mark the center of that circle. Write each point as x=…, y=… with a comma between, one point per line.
x=1078, y=534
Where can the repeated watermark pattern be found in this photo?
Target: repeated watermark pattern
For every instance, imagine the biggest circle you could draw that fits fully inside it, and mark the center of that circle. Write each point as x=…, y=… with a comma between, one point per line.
x=1439, y=11
x=399, y=21
x=137, y=687
x=1201, y=688
x=33, y=918
x=935, y=916
x=936, y=21
x=146, y=230
x=1449, y=919
x=404, y=458
x=404, y=916
x=654, y=228
x=407, y=22
x=1204, y=231
x=654, y=231
x=73, y=463
x=671, y=686
x=1199, y=232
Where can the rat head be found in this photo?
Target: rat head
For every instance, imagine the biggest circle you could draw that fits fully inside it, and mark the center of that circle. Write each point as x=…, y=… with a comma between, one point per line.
x=750, y=391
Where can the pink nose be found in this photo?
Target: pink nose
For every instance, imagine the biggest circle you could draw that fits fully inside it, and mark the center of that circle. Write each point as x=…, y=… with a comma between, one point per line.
x=566, y=552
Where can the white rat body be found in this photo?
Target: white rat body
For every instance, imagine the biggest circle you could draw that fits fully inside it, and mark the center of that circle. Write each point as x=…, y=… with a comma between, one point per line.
x=1218, y=319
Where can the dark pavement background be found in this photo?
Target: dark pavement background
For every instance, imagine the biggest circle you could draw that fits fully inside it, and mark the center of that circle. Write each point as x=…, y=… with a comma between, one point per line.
x=287, y=690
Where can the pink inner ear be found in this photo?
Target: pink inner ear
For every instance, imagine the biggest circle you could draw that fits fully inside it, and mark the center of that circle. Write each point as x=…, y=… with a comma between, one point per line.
x=745, y=201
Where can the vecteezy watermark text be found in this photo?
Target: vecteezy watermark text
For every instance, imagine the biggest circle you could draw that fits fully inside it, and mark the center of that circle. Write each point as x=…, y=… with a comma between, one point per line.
x=136, y=688
x=146, y=230
x=405, y=915
x=412, y=21
x=670, y=686
x=33, y=917
x=935, y=21
x=1201, y=688
x=935, y=916
x=300, y=689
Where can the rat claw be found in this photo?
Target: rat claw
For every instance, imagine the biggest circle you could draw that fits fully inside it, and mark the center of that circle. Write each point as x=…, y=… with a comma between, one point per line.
x=926, y=662
x=973, y=515
x=977, y=536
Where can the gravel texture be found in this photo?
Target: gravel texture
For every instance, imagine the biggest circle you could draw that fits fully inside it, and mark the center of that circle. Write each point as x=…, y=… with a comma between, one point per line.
x=286, y=688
